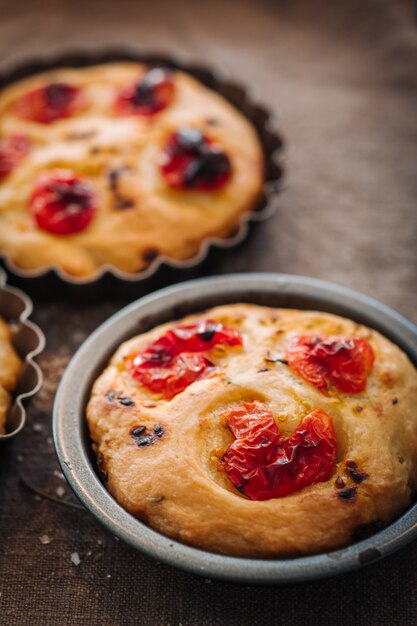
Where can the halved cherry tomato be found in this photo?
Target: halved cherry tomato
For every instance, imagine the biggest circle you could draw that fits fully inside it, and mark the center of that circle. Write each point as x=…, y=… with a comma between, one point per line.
x=62, y=202
x=341, y=362
x=191, y=160
x=180, y=357
x=153, y=93
x=263, y=464
x=13, y=150
x=50, y=103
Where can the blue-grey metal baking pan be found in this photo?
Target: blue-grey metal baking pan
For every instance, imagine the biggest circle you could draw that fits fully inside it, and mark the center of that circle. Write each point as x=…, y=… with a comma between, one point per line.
x=74, y=447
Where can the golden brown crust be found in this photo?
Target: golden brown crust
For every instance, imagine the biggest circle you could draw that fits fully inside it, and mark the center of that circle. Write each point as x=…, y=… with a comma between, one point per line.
x=163, y=221
x=177, y=485
x=10, y=366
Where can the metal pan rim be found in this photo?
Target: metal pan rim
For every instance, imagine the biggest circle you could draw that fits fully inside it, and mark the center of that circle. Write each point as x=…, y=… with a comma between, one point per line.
x=72, y=445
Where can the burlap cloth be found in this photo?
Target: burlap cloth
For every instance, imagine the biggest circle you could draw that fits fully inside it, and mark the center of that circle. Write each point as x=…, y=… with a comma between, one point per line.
x=343, y=77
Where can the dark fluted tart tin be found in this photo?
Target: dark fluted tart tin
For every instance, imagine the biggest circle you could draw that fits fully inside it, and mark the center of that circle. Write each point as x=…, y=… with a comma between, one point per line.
x=162, y=270
x=28, y=341
x=74, y=447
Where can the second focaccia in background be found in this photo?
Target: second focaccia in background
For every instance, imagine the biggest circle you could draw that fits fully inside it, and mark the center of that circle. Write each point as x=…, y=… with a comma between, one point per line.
x=118, y=164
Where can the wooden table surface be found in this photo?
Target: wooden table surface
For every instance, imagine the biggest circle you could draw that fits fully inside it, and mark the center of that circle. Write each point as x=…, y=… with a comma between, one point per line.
x=342, y=78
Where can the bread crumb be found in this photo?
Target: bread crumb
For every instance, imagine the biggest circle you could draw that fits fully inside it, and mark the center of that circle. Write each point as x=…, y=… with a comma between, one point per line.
x=45, y=539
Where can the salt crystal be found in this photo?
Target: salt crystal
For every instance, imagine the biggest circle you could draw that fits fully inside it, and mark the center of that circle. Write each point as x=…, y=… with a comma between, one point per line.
x=59, y=474
x=99, y=541
x=37, y=427
x=45, y=539
x=60, y=491
x=108, y=575
x=75, y=558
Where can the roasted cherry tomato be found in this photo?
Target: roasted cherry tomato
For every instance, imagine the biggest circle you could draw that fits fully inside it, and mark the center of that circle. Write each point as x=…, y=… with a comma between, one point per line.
x=47, y=104
x=13, y=149
x=190, y=160
x=153, y=93
x=263, y=464
x=62, y=202
x=341, y=362
x=178, y=358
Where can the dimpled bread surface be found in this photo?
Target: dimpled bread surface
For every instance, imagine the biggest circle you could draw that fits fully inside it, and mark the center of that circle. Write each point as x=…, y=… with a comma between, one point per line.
x=178, y=485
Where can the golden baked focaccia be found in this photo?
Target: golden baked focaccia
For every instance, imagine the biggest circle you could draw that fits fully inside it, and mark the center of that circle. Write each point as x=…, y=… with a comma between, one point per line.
x=258, y=432
x=10, y=366
x=117, y=164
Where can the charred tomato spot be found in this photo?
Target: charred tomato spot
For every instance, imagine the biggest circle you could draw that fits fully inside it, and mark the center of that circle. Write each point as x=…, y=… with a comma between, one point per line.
x=208, y=333
x=191, y=160
x=153, y=93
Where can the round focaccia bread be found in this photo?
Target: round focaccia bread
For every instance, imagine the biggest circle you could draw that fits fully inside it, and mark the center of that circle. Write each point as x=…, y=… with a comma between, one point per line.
x=138, y=213
x=10, y=366
x=163, y=455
